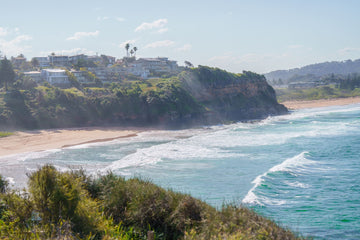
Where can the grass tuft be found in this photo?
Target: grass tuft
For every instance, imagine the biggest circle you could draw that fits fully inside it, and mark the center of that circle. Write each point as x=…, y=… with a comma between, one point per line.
x=5, y=134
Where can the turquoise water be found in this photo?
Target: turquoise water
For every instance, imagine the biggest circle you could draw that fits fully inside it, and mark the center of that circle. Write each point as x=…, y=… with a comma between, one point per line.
x=301, y=170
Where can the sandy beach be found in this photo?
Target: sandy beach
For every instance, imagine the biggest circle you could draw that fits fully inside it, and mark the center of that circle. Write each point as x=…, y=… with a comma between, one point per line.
x=293, y=105
x=41, y=140
x=34, y=141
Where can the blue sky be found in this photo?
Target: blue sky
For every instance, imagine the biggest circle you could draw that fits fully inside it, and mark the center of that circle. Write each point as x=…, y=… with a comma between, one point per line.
x=257, y=35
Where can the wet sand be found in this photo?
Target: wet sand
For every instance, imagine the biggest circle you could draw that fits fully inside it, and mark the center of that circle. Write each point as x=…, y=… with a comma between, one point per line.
x=41, y=140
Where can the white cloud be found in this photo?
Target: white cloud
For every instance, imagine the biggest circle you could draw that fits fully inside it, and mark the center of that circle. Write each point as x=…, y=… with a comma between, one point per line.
x=120, y=19
x=162, y=30
x=186, y=47
x=348, y=50
x=79, y=35
x=3, y=32
x=21, y=38
x=103, y=18
x=160, y=23
x=73, y=51
x=164, y=43
x=15, y=46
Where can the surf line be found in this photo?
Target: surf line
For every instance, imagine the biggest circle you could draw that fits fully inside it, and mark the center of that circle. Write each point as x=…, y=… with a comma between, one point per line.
x=296, y=161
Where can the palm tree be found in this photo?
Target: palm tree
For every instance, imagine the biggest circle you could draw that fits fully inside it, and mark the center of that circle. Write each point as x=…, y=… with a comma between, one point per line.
x=127, y=46
x=135, y=49
x=131, y=52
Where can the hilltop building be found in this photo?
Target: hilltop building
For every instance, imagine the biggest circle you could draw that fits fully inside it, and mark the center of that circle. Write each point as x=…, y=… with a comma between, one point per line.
x=17, y=61
x=55, y=76
x=34, y=75
x=106, y=68
x=59, y=60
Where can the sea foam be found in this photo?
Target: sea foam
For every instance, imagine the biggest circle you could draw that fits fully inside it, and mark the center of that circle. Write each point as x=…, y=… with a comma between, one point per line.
x=294, y=164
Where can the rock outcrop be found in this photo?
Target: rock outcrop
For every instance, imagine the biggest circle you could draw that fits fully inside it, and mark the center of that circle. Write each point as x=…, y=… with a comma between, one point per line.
x=231, y=97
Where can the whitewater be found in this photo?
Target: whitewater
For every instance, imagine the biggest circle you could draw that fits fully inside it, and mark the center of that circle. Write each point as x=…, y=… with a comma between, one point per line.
x=301, y=169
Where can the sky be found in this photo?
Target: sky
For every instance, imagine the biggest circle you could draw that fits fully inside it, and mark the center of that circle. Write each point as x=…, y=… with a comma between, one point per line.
x=235, y=35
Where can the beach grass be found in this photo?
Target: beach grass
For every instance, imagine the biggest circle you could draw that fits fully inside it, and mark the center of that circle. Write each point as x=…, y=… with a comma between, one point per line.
x=5, y=134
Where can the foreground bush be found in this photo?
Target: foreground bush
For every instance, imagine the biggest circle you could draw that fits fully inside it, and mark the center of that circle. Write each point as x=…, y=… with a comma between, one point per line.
x=72, y=205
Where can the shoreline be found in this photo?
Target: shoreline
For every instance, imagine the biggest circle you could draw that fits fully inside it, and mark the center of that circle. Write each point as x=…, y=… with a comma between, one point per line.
x=301, y=104
x=42, y=140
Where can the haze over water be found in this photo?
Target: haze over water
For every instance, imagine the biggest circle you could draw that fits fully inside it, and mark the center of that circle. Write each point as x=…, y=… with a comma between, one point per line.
x=299, y=169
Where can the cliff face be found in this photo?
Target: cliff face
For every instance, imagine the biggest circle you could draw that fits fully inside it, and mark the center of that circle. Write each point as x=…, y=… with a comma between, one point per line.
x=231, y=97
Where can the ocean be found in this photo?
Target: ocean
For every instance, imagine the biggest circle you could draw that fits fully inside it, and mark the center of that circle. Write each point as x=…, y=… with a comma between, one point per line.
x=300, y=170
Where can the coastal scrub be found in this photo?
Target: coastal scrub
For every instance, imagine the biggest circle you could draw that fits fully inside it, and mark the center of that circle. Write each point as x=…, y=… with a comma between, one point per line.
x=73, y=205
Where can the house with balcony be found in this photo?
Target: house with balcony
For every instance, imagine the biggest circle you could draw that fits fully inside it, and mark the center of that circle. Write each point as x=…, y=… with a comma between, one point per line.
x=55, y=76
x=59, y=60
x=160, y=64
x=34, y=75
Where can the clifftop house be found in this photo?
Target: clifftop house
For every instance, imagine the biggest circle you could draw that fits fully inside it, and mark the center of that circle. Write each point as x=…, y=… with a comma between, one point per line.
x=106, y=68
x=55, y=76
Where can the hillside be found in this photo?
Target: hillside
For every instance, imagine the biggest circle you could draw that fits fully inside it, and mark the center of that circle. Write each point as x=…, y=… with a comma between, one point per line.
x=314, y=71
x=196, y=96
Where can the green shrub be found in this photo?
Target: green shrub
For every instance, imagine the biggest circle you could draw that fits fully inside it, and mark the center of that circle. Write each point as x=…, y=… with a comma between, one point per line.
x=5, y=134
x=72, y=205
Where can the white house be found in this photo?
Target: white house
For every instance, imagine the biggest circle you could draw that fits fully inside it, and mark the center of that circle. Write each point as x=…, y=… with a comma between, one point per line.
x=55, y=76
x=34, y=75
x=160, y=64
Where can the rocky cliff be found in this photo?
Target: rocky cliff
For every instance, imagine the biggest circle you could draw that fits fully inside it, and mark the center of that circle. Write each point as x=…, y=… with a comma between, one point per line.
x=231, y=97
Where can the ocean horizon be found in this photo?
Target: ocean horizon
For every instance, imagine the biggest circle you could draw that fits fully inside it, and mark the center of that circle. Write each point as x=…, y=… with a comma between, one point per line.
x=300, y=169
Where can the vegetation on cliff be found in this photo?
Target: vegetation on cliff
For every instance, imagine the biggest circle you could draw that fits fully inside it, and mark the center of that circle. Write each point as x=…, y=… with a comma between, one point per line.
x=200, y=95
x=72, y=205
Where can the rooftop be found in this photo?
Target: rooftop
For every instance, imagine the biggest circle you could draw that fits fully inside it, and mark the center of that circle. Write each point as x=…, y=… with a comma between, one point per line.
x=54, y=70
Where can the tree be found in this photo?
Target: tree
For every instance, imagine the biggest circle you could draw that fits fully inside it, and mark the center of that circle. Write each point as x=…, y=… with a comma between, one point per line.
x=7, y=74
x=127, y=46
x=131, y=52
x=3, y=184
x=188, y=64
x=35, y=63
x=135, y=49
